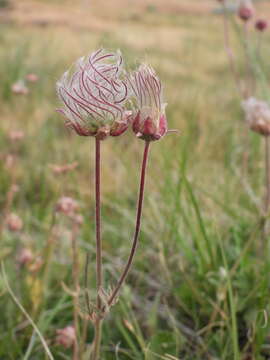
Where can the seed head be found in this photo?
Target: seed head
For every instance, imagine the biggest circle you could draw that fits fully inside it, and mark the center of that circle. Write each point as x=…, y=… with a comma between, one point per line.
x=261, y=25
x=93, y=93
x=66, y=336
x=245, y=10
x=149, y=119
x=257, y=115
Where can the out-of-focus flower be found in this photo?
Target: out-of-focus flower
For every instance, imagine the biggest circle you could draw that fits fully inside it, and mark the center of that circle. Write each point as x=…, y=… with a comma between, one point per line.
x=261, y=24
x=78, y=219
x=31, y=77
x=24, y=256
x=14, y=223
x=36, y=265
x=16, y=135
x=63, y=169
x=66, y=205
x=94, y=92
x=257, y=115
x=246, y=10
x=66, y=337
x=20, y=88
x=149, y=122
x=10, y=161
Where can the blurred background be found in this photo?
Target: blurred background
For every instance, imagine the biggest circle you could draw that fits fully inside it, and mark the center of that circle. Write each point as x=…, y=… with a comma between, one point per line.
x=198, y=288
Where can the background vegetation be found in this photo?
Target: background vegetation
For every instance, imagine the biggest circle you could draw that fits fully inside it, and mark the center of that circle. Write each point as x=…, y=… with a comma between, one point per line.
x=199, y=288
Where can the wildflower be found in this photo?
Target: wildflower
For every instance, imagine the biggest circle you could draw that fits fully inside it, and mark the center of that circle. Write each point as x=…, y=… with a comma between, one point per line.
x=261, y=25
x=16, y=135
x=78, y=219
x=94, y=93
x=36, y=265
x=149, y=122
x=19, y=88
x=24, y=256
x=66, y=336
x=63, y=169
x=66, y=205
x=14, y=222
x=32, y=78
x=257, y=115
x=245, y=10
x=10, y=161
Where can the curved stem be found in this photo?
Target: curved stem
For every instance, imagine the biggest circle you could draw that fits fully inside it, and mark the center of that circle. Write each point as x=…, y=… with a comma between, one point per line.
x=99, y=275
x=137, y=228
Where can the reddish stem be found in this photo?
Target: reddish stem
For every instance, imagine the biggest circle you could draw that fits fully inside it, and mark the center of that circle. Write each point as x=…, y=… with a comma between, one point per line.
x=99, y=276
x=98, y=225
x=137, y=228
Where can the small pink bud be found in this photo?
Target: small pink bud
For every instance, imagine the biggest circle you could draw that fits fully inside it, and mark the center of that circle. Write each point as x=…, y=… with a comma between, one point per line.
x=16, y=135
x=78, y=219
x=14, y=222
x=32, y=77
x=66, y=205
x=36, y=265
x=261, y=25
x=66, y=336
x=246, y=10
x=24, y=256
x=10, y=161
x=19, y=88
x=63, y=169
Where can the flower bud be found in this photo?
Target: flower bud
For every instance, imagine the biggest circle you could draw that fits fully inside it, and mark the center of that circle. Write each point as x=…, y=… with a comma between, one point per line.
x=32, y=77
x=257, y=115
x=66, y=336
x=149, y=122
x=16, y=135
x=24, y=256
x=19, y=88
x=14, y=222
x=261, y=25
x=245, y=10
x=66, y=205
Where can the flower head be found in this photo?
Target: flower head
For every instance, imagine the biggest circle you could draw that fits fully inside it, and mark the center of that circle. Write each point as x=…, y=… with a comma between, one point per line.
x=24, y=256
x=20, y=88
x=257, y=115
x=245, y=10
x=66, y=336
x=149, y=120
x=66, y=206
x=14, y=222
x=261, y=25
x=93, y=93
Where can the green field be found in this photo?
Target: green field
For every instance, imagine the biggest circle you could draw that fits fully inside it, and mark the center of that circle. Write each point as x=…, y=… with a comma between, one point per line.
x=199, y=287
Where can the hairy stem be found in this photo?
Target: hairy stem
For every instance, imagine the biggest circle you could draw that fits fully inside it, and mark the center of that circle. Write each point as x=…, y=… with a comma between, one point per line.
x=137, y=228
x=99, y=275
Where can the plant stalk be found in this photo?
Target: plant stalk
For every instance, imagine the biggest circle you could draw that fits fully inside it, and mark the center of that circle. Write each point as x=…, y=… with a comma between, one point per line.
x=99, y=275
x=267, y=174
x=137, y=228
